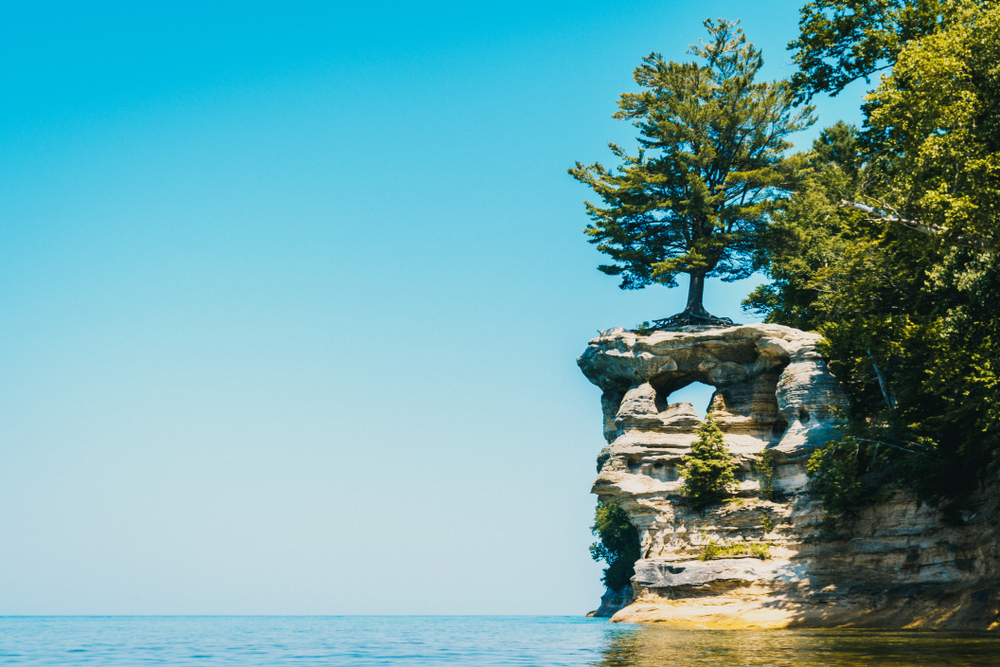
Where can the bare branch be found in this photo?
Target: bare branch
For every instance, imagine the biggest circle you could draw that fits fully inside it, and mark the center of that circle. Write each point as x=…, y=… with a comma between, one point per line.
x=976, y=242
x=889, y=444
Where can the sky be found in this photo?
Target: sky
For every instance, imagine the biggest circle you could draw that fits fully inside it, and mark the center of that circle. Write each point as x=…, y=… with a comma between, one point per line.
x=291, y=296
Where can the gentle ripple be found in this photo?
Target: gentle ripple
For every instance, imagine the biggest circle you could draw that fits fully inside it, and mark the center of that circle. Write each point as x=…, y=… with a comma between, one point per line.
x=412, y=641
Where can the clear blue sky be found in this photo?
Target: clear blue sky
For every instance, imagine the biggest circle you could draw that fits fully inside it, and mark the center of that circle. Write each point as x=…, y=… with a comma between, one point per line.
x=291, y=298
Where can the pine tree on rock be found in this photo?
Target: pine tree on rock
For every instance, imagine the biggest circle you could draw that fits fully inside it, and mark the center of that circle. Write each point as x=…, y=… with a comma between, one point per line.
x=708, y=171
x=708, y=471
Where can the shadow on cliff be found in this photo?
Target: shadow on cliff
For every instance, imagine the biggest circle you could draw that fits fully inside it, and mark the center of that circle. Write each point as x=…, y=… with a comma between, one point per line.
x=914, y=606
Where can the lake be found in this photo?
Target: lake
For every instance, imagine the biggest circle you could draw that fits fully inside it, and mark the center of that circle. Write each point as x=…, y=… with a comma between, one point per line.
x=411, y=641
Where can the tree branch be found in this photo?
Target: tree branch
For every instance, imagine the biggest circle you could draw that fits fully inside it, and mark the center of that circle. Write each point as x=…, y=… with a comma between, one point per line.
x=977, y=242
x=889, y=444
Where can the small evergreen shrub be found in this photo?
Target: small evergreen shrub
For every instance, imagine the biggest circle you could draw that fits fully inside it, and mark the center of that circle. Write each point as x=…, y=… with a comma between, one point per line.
x=618, y=546
x=708, y=471
x=765, y=469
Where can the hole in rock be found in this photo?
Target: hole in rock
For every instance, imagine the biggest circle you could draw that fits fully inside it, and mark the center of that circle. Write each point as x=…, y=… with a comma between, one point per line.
x=803, y=415
x=697, y=394
x=664, y=472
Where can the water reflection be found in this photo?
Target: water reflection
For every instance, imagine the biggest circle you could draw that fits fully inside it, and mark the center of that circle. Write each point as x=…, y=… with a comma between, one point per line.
x=653, y=646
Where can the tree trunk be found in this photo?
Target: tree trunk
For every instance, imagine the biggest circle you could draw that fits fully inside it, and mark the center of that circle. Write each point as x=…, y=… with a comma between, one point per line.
x=696, y=295
x=694, y=313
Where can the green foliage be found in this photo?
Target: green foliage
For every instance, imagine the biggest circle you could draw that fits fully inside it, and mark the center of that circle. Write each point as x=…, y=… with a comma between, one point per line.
x=643, y=329
x=765, y=469
x=766, y=522
x=714, y=550
x=708, y=471
x=837, y=472
x=811, y=232
x=618, y=547
x=853, y=472
x=841, y=41
x=905, y=290
x=934, y=126
x=697, y=195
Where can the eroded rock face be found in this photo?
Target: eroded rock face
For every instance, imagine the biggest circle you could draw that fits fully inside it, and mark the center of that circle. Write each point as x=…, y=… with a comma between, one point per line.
x=774, y=392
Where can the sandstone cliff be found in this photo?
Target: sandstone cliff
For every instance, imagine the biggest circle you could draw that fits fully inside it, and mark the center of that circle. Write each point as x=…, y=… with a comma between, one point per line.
x=902, y=568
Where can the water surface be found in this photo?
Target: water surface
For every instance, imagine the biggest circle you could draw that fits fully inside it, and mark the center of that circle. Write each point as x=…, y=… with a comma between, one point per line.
x=420, y=641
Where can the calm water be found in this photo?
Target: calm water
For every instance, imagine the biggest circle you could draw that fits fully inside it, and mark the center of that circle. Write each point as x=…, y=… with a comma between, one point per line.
x=462, y=640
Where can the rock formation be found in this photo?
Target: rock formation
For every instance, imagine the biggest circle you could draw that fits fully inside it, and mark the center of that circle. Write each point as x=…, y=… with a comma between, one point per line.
x=773, y=391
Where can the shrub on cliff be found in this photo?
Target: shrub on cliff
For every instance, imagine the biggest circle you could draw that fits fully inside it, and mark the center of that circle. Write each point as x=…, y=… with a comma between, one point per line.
x=618, y=546
x=714, y=550
x=855, y=472
x=708, y=471
x=837, y=477
x=765, y=469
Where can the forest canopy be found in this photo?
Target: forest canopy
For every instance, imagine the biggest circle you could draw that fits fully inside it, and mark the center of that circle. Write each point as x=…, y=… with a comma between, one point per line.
x=888, y=244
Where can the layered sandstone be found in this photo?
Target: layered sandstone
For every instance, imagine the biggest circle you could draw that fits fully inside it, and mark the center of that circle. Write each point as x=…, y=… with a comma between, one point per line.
x=773, y=391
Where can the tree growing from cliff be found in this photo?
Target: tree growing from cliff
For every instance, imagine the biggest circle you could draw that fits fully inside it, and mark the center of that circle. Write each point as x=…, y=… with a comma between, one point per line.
x=618, y=546
x=709, y=470
x=697, y=195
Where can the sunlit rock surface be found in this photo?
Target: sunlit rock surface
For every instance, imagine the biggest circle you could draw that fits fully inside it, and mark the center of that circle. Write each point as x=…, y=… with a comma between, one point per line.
x=903, y=568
